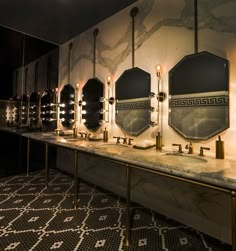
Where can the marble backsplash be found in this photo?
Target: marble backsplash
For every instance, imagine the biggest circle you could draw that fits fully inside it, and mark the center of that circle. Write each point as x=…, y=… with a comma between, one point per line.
x=163, y=35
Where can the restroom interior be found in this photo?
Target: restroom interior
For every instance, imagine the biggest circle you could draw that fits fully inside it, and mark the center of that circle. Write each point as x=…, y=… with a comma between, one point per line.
x=152, y=74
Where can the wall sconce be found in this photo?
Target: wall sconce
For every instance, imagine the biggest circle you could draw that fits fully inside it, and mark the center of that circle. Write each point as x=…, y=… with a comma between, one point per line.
x=160, y=95
x=75, y=111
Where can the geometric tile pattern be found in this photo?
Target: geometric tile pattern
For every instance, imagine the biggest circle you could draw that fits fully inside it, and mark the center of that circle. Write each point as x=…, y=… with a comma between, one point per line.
x=33, y=217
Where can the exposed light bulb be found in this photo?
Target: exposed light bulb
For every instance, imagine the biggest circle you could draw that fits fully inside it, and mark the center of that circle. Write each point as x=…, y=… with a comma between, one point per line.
x=158, y=70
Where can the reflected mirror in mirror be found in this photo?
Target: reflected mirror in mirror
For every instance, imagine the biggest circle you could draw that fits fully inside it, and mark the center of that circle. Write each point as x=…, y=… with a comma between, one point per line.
x=48, y=109
x=13, y=111
x=18, y=50
x=133, y=102
x=34, y=109
x=24, y=109
x=92, y=108
x=67, y=98
x=199, y=96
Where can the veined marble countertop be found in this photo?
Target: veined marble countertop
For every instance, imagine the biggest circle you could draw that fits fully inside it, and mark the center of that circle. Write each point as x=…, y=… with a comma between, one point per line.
x=217, y=172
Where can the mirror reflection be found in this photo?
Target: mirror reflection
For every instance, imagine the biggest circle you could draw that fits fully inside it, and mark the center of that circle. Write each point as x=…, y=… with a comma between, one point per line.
x=133, y=102
x=67, y=98
x=92, y=108
x=19, y=52
x=24, y=109
x=34, y=109
x=48, y=109
x=199, y=96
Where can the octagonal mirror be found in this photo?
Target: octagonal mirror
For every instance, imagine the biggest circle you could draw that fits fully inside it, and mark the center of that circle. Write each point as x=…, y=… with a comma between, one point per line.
x=48, y=109
x=67, y=98
x=92, y=108
x=133, y=101
x=24, y=113
x=199, y=96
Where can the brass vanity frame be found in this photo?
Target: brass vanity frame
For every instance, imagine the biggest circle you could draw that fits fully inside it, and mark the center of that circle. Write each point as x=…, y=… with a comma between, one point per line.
x=129, y=168
x=46, y=166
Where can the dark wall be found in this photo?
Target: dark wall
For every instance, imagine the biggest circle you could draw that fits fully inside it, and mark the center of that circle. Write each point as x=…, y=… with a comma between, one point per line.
x=6, y=80
x=17, y=49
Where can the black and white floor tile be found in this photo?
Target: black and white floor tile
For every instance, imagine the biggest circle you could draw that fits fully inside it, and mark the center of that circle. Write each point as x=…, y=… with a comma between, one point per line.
x=33, y=217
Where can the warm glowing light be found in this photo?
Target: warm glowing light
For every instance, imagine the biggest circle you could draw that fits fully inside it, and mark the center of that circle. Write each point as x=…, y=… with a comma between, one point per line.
x=84, y=112
x=108, y=80
x=158, y=70
x=56, y=90
x=77, y=86
x=83, y=102
x=83, y=120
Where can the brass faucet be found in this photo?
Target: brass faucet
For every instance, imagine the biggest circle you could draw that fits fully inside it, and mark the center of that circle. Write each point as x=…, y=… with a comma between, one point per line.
x=126, y=141
x=180, y=147
x=201, y=150
x=117, y=139
x=84, y=135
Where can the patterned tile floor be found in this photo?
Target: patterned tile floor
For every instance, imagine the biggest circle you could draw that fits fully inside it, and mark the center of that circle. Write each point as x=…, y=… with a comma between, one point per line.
x=33, y=217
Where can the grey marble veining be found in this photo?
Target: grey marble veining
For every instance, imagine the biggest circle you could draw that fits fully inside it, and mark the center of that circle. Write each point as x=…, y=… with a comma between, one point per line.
x=210, y=17
x=218, y=172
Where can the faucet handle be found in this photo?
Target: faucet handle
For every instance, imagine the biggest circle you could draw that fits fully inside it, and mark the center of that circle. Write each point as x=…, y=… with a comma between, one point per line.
x=189, y=147
x=81, y=134
x=129, y=141
x=180, y=147
x=87, y=135
x=117, y=139
x=201, y=150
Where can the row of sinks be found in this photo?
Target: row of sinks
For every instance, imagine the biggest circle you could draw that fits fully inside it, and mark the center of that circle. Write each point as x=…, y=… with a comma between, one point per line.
x=119, y=149
x=174, y=155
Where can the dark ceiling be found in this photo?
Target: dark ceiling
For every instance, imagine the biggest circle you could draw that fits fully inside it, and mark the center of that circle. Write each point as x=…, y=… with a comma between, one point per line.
x=57, y=21
x=44, y=24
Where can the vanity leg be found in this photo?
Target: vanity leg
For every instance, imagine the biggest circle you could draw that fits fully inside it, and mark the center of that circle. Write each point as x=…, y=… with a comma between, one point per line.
x=76, y=178
x=46, y=165
x=233, y=196
x=28, y=156
x=127, y=236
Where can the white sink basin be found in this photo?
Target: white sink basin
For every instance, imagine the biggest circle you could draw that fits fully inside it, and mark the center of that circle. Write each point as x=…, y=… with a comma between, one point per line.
x=113, y=148
x=72, y=139
x=184, y=158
